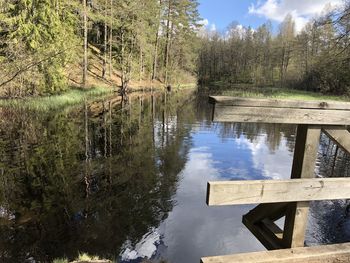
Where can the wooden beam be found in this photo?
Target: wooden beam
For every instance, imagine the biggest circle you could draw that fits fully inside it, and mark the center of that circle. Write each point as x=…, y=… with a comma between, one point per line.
x=339, y=253
x=276, y=191
x=295, y=225
x=272, y=227
x=340, y=136
x=223, y=113
x=272, y=211
x=305, y=154
x=264, y=233
x=278, y=103
x=260, y=222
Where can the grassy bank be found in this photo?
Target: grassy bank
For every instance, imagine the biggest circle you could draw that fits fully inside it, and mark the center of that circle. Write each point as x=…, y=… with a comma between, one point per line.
x=55, y=102
x=74, y=96
x=85, y=258
x=271, y=92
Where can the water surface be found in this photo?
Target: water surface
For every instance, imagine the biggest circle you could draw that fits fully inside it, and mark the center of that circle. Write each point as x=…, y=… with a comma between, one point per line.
x=127, y=181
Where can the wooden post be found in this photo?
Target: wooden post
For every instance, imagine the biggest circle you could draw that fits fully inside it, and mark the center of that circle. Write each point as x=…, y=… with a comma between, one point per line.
x=305, y=154
x=286, y=199
x=339, y=253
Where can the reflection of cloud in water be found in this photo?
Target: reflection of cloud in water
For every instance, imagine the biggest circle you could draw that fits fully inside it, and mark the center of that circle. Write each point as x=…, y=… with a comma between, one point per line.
x=146, y=248
x=276, y=165
x=193, y=229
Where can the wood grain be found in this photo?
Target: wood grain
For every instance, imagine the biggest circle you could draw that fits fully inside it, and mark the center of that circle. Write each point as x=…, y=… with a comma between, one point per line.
x=279, y=103
x=276, y=191
x=280, y=115
x=321, y=254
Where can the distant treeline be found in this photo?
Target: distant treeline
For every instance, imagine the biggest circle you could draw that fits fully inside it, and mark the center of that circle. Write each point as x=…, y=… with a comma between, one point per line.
x=316, y=59
x=141, y=40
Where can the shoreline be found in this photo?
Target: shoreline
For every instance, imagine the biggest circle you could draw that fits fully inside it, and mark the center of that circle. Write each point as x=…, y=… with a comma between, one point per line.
x=76, y=96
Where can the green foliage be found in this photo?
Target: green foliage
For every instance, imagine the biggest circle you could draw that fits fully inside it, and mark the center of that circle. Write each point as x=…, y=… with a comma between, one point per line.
x=40, y=38
x=315, y=59
x=63, y=180
x=40, y=35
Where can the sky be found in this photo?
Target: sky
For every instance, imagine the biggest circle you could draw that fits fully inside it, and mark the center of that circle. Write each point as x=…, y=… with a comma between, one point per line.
x=218, y=14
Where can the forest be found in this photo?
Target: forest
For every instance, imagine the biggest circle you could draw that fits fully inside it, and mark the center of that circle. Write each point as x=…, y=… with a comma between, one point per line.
x=48, y=45
x=315, y=59
x=116, y=120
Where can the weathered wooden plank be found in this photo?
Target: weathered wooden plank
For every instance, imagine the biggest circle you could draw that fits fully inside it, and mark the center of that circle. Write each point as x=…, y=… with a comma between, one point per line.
x=340, y=136
x=260, y=223
x=305, y=154
x=279, y=103
x=273, y=212
x=280, y=115
x=276, y=191
x=319, y=254
x=295, y=225
x=264, y=234
x=271, y=226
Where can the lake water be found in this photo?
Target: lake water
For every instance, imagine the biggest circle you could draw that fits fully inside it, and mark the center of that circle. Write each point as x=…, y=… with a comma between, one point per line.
x=127, y=181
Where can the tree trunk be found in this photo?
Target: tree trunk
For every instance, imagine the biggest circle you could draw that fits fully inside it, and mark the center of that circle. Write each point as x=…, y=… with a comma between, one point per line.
x=123, y=77
x=105, y=42
x=85, y=62
x=155, y=57
x=141, y=63
x=111, y=39
x=167, y=44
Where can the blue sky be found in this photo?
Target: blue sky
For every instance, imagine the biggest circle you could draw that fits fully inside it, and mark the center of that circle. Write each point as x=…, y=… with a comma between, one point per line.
x=220, y=13
x=223, y=12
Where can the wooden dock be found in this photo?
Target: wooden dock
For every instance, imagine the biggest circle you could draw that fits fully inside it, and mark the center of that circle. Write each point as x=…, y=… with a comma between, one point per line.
x=285, y=198
x=339, y=253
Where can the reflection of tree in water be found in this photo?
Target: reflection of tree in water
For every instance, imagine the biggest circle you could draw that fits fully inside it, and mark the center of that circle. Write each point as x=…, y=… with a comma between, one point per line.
x=71, y=183
x=333, y=161
x=252, y=131
x=330, y=220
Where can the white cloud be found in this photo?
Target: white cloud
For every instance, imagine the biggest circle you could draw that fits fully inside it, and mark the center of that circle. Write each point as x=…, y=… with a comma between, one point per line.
x=204, y=22
x=146, y=248
x=302, y=11
x=275, y=165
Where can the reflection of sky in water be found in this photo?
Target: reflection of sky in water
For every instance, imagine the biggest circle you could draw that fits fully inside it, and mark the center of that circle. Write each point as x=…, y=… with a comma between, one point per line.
x=192, y=229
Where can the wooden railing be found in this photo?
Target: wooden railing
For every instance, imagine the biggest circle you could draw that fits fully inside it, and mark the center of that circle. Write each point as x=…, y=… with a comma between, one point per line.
x=285, y=198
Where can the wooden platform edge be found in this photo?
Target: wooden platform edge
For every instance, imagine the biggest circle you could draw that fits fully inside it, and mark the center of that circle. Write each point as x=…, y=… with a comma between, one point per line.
x=269, y=237
x=319, y=254
x=276, y=191
x=283, y=115
x=278, y=103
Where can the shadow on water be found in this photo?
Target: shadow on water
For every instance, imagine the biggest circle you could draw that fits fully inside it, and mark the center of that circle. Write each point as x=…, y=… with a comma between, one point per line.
x=126, y=179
